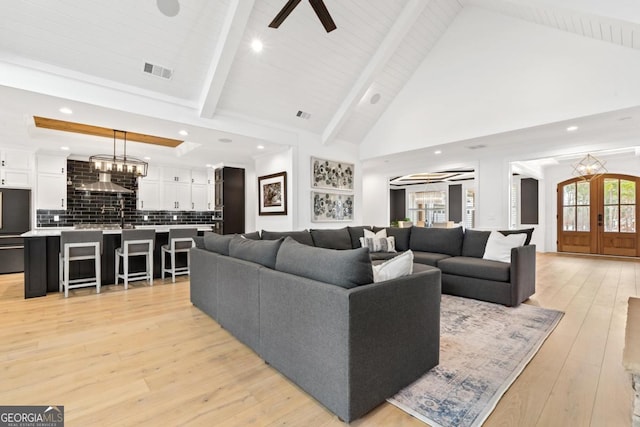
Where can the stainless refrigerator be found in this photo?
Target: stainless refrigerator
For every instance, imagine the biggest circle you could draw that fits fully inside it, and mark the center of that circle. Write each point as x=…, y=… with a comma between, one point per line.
x=15, y=211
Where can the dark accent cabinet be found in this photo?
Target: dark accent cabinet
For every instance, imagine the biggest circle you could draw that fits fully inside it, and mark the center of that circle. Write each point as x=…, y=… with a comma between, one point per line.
x=229, y=198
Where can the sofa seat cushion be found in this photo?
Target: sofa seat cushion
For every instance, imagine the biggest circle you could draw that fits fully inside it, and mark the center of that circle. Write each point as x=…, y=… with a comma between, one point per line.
x=302, y=236
x=345, y=268
x=428, y=258
x=262, y=252
x=437, y=240
x=476, y=267
x=331, y=238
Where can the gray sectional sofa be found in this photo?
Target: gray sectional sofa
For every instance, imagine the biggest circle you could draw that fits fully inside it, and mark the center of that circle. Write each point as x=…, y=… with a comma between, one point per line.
x=314, y=315
x=456, y=252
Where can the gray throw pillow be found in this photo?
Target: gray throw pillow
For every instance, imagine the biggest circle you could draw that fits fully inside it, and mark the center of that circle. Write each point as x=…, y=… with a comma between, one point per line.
x=218, y=243
x=303, y=236
x=437, y=240
x=345, y=268
x=331, y=239
x=474, y=243
x=262, y=252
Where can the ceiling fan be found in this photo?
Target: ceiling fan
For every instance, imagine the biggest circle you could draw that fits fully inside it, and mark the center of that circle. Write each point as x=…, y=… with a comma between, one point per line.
x=318, y=7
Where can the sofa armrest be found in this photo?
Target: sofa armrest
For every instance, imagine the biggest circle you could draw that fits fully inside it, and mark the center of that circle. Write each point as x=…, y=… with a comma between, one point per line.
x=523, y=273
x=350, y=348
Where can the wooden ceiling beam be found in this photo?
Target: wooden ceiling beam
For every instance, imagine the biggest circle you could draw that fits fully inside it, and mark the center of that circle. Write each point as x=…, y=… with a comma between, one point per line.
x=61, y=125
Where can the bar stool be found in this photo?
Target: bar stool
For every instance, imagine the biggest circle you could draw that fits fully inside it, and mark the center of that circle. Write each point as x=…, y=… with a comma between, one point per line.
x=135, y=243
x=180, y=240
x=78, y=246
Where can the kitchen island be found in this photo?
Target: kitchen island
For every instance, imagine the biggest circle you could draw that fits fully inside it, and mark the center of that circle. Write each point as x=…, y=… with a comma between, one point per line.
x=42, y=246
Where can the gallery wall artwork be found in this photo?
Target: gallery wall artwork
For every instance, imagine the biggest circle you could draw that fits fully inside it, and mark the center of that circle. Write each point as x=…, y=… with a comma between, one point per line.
x=330, y=207
x=331, y=174
x=272, y=194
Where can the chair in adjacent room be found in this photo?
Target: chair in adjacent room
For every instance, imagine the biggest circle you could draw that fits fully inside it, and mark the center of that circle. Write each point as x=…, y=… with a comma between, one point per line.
x=180, y=241
x=79, y=246
x=135, y=243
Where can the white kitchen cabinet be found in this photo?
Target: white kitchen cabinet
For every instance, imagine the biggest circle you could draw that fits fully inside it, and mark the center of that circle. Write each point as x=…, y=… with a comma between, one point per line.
x=148, y=194
x=15, y=168
x=176, y=196
x=51, y=185
x=199, y=176
x=211, y=189
x=199, y=199
x=172, y=174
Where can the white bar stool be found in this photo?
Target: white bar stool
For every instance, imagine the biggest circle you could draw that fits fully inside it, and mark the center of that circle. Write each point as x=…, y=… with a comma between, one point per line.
x=135, y=243
x=180, y=240
x=78, y=246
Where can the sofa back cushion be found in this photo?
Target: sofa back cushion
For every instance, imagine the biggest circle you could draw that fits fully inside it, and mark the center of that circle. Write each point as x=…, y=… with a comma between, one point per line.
x=217, y=243
x=437, y=240
x=346, y=268
x=303, y=236
x=263, y=252
x=254, y=235
x=401, y=235
x=474, y=242
x=331, y=239
x=356, y=233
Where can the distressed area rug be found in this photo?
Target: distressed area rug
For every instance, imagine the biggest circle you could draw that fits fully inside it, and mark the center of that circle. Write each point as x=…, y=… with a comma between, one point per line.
x=483, y=349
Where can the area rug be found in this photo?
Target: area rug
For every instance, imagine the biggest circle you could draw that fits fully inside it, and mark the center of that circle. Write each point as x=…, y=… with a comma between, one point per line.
x=483, y=349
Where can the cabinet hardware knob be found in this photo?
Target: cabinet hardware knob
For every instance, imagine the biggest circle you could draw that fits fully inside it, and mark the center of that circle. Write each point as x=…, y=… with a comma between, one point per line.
x=2, y=181
x=3, y=163
x=62, y=202
x=193, y=205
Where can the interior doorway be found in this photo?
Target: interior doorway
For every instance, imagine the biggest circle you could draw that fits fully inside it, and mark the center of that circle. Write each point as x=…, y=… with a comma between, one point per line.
x=598, y=216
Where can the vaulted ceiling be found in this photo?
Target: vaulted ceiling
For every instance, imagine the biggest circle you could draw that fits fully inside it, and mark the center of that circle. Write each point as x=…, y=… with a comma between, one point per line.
x=91, y=55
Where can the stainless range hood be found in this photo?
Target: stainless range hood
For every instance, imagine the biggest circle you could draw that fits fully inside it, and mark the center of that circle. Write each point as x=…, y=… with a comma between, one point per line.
x=104, y=185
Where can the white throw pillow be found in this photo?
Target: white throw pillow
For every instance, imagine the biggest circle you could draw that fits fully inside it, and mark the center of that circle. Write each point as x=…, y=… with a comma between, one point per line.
x=371, y=234
x=399, y=266
x=499, y=246
x=379, y=244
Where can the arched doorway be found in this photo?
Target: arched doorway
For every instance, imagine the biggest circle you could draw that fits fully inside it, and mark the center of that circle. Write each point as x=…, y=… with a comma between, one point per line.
x=599, y=216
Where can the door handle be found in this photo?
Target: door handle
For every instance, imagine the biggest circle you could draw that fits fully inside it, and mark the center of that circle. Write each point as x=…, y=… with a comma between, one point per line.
x=600, y=220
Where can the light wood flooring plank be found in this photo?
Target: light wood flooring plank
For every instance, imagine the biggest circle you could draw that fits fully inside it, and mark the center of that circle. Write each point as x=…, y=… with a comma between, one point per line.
x=146, y=356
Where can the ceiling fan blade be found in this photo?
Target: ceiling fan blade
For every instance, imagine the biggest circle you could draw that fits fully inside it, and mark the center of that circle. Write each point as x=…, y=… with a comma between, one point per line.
x=282, y=15
x=323, y=15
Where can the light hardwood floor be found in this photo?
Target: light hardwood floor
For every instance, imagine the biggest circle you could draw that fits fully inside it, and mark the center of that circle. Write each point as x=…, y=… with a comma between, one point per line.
x=146, y=356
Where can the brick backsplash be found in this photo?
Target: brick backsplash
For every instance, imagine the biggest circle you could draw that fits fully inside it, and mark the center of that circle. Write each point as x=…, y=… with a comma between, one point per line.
x=84, y=207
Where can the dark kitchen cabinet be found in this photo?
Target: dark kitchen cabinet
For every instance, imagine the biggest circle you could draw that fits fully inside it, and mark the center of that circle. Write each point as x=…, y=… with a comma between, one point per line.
x=229, y=198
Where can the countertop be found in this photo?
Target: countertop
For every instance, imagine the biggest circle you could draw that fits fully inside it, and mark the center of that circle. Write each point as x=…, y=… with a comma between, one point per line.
x=160, y=228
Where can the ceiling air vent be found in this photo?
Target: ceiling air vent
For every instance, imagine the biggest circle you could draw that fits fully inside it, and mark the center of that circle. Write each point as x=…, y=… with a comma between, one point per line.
x=476, y=147
x=158, y=70
x=303, y=115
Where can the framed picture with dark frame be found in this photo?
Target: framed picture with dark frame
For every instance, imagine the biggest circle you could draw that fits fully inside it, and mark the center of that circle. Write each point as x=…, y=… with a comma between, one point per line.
x=272, y=194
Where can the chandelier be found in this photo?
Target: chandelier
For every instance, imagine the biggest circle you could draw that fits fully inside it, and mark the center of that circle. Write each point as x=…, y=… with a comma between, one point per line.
x=105, y=163
x=589, y=168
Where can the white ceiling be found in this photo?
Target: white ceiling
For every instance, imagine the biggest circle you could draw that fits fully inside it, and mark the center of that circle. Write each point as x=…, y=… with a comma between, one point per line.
x=89, y=55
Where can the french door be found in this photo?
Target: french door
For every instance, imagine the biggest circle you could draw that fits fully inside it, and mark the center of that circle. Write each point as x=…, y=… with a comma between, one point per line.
x=599, y=216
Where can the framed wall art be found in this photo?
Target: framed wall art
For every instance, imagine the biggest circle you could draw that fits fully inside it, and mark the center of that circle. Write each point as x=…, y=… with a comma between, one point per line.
x=272, y=194
x=331, y=174
x=331, y=207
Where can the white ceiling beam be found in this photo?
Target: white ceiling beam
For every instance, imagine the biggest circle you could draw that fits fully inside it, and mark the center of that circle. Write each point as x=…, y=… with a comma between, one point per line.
x=230, y=37
x=376, y=64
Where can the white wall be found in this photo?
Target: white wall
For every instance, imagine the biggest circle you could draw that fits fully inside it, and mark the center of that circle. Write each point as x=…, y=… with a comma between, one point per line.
x=490, y=73
x=629, y=165
x=267, y=165
x=296, y=161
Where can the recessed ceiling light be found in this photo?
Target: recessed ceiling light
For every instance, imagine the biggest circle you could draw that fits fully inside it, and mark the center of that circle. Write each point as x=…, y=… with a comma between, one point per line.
x=64, y=148
x=375, y=98
x=256, y=45
x=572, y=128
x=184, y=133
x=225, y=140
x=208, y=165
x=147, y=158
x=437, y=152
x=168, y=8
x=260, y=147
x=65, y=110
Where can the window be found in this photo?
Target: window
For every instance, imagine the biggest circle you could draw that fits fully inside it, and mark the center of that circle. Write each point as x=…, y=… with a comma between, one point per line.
x=619, y=206
x=575, y=206
x=470, y=209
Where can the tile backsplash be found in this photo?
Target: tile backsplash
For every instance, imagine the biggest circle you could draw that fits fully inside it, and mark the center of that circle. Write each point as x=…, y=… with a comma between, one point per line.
x=104, y=208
